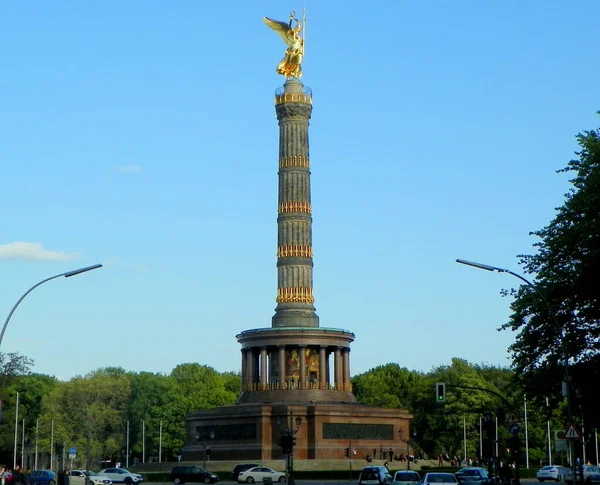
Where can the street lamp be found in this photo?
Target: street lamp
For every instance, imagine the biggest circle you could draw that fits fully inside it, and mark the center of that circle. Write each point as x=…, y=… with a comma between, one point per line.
x=408, y=440
x=287, y=442
x=68, y=274
x=566, y=383
x=202, y=437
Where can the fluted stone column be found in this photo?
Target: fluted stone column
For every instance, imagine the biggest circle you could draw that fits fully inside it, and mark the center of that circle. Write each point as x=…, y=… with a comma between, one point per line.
x=249, y=369
x=263, y=368
x=346, y=359
x=294, y=222
x=282, y=367
x=244, y=369
x=338, y=368
x=302, y=383
x=322, y=367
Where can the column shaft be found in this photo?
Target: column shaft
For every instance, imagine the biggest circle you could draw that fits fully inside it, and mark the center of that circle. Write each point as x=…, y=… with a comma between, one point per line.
x=302, y=383
x=323, y=368
x=282, y=383
x=263, y=368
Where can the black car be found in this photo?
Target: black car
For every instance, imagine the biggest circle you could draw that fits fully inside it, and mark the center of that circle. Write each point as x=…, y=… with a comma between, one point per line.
x=241, y=468
x=192, y=473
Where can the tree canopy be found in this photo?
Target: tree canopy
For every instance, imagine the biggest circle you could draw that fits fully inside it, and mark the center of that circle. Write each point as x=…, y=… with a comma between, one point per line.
x=562, y=318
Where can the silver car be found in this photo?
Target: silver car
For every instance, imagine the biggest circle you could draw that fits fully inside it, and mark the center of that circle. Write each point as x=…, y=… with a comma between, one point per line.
x=406, y=477
x=439, y=478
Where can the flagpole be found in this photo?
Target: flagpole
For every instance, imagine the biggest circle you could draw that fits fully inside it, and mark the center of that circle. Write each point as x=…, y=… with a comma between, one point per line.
x=480, y=438
x=465, y=436
x=16, y=432
x=51, y=444
x=583, y=443
x=23, y=445
x=596, y=436
x=497, y=454
x=549, y=444
x=37, y=429
x=127, y=454
x=526, y=439
x=160, y=442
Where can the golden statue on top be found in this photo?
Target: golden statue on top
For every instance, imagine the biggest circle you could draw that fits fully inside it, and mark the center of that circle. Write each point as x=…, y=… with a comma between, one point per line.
x=290, y=33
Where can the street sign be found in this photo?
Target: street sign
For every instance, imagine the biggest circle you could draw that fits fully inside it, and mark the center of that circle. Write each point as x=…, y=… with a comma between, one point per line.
x=72, y=456
x=512, y=418
x=572, y=433
x=560, y=443
x=514, y=428
x=72, y=450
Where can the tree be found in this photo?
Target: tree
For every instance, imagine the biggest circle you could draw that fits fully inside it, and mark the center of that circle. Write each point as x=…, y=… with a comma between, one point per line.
x=12, y=365
x=563, y=315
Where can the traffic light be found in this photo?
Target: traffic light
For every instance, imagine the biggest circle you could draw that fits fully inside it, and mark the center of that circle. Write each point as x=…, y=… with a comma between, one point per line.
x=440, y=392
x=347, y=452
x=287, y=443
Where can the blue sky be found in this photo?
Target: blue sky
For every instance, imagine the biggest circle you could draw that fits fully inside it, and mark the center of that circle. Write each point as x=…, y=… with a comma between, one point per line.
x=142, y=135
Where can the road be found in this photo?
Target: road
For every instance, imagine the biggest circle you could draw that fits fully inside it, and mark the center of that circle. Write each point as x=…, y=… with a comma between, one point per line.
x=326, y=482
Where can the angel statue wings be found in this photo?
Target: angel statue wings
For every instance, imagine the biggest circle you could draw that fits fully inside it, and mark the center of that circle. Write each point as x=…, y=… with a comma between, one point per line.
x=289, y=66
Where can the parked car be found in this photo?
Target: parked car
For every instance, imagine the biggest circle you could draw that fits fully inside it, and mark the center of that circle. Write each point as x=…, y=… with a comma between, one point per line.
x=192, y=473
x=438, y=478
x=375, y=475
x=120, y=475
x=473, y=476
x=406, y=477
x=591, y=474
x=551, y=472
x=258, y=473
x=43, y=477
x=240, y=468
x=78, y=477
x=459, y=473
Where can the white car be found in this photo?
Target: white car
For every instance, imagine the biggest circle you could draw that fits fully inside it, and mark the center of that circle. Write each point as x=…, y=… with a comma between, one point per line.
x=406, y=477
x=78, y=477
x=120, y=475
x=551, y=472
x=439, y=478
x=591, y=474
x=258, y=473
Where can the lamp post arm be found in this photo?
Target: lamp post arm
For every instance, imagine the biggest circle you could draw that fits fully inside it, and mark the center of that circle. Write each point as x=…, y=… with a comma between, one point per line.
x=21, y=299
x=67, y=274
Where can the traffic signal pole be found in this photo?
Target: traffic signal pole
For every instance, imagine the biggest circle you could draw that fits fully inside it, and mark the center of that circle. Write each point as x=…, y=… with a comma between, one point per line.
x=350, y=457
x=441, y=393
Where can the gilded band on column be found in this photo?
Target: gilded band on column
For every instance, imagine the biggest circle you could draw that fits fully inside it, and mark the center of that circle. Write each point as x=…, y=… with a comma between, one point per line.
x=293, y=98
x=295, y=206
x=295, y=295
x=294, y=161
x=294, y=251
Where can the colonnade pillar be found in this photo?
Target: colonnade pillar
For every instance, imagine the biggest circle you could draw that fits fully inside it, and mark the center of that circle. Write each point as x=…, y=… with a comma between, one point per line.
x=346, y=359
x=302, y=383
x=323, y=366
x=282, y=367
x=249, y=369
x=244, y=369
x=338, y=367
x=263, y=368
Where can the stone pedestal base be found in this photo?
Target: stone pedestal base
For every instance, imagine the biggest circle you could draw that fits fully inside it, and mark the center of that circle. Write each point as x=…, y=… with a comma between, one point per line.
x=250, y=432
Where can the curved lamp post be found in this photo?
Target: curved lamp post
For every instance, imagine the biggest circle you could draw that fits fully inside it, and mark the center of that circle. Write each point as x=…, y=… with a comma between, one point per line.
x=566, y=384
x=68, y=274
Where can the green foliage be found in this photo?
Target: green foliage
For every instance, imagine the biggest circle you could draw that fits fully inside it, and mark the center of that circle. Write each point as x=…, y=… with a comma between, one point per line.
x=563, y=316
x=95, y=409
